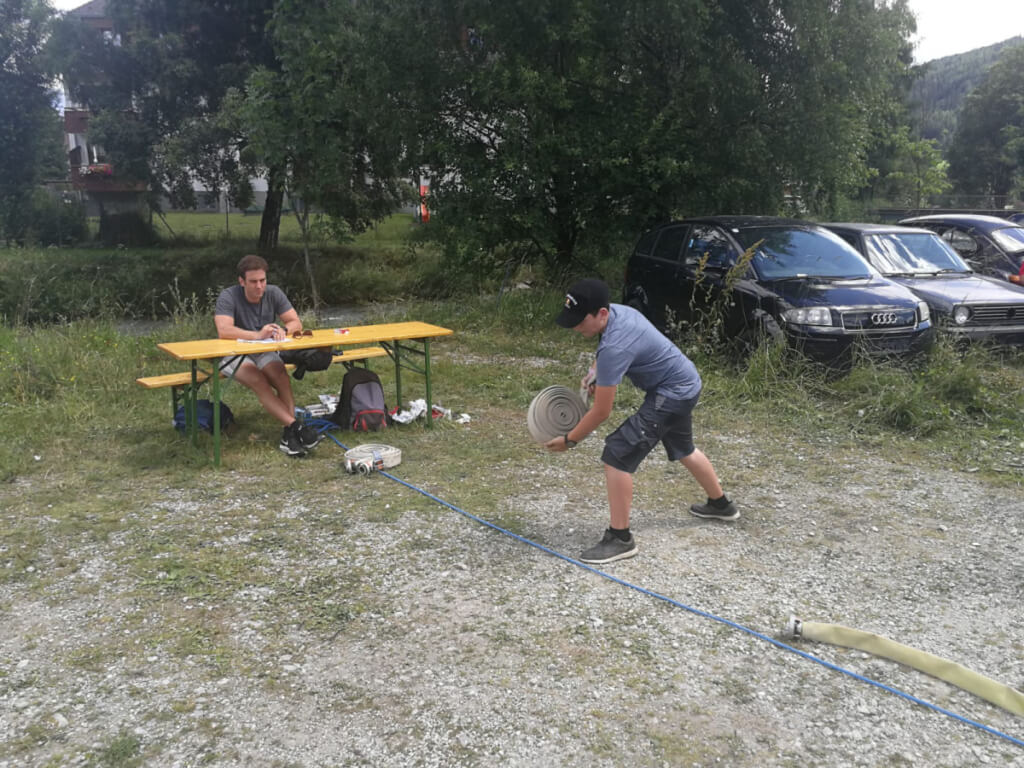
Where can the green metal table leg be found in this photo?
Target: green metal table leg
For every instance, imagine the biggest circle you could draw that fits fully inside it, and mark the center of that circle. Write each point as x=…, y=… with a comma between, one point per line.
x=426, y=375
x=398, y=373
x=191, y=412
x=215, y=386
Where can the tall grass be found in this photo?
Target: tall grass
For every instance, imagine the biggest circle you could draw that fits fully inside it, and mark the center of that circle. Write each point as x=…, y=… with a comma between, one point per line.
x=68, y=389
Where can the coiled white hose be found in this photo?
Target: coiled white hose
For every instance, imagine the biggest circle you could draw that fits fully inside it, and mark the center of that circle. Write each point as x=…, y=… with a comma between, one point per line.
x=553, y=412
x=370, y=457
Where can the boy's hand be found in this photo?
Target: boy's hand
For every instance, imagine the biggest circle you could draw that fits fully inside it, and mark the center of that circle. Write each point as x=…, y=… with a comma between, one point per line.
x=589, y=383
x=556, y=444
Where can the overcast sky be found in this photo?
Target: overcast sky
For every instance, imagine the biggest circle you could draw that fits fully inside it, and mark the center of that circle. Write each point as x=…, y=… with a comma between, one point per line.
x=944, y=27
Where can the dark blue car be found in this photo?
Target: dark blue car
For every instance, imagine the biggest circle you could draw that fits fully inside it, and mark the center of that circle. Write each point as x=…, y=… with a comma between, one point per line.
x=781, y=278
x=990, y=245
x=967, y=305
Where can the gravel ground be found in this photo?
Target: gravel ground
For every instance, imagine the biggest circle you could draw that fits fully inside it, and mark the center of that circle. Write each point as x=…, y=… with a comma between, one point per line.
x=455, y=644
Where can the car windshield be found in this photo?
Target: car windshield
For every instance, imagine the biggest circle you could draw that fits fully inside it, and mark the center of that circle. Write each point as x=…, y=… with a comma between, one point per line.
x=1010, y=238
x=912, y=253
x=793, y=252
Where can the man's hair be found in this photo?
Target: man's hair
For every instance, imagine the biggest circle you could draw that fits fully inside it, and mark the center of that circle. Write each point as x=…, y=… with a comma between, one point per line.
x=249, y=263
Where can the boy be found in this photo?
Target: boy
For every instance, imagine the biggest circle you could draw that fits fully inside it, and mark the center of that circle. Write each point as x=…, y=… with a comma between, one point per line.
x=630, y=346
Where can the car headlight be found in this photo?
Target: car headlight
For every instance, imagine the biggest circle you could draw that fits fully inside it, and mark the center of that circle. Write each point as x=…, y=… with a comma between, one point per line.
x=961, y=315
x=808, y=316
x=923, y=313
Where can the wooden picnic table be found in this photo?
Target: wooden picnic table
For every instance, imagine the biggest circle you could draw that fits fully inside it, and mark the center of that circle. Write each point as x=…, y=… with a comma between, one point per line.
x=403, y=342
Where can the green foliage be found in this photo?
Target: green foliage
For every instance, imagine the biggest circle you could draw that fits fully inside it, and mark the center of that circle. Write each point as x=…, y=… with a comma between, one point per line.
x=938, y=94
x=917, y=171
x=27, y=119
x=157, y=90
x=42, y=286
x=550, y=130
x=982, y=156
x=54, y=220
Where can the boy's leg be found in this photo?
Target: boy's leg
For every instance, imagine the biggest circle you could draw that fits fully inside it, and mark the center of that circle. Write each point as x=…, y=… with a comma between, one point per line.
x=678, y=442
x=620, y=496
x=700, y=467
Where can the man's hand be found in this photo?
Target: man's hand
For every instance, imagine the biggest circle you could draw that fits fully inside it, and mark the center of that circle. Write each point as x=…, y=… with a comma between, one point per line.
x=272, y=331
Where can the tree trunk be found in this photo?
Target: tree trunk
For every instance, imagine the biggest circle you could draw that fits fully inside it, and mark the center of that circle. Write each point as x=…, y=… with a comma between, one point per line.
x=270, y=222
x=303, y=219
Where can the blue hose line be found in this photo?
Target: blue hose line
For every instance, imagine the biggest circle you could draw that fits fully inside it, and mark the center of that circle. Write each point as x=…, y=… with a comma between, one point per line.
x=697, y=611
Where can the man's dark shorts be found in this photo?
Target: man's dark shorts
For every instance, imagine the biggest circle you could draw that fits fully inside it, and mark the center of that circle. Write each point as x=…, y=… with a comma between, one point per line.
x=659, y=420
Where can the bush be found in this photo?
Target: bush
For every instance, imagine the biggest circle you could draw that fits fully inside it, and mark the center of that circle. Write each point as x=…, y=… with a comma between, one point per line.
x=129, y=228
x=56, y=221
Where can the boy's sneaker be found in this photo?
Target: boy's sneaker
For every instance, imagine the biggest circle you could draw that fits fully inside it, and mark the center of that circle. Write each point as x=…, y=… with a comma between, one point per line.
x=291, y=444
x=709, y=510
x=309, y=437
x=609, y=549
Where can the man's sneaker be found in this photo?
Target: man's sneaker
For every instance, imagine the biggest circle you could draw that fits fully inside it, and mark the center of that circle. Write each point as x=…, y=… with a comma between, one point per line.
x=610, y=549
x=291, y=443
x=709, y=510
x=309, y=437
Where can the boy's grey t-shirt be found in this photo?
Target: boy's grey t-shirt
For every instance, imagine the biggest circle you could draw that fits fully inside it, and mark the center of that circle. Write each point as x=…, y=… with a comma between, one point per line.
x=249, y=316
x=630, y=346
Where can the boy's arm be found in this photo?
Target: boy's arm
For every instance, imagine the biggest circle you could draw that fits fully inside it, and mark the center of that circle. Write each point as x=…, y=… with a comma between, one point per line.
x=604, y=399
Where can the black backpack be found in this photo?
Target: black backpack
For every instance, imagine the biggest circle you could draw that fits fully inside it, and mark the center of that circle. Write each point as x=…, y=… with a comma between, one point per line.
x=361, y=403
x=316, y=359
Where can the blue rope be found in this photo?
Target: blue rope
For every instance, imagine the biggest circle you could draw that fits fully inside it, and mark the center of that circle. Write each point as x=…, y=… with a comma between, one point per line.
x=697, y=611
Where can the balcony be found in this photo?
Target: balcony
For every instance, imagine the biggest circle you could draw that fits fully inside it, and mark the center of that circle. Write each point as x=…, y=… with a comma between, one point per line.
x=99, y=177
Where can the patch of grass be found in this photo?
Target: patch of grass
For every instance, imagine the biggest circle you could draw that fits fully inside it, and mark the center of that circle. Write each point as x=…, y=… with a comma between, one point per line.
x=124, y=751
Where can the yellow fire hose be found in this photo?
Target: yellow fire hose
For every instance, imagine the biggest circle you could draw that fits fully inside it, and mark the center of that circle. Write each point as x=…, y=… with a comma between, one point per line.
x=984, y=687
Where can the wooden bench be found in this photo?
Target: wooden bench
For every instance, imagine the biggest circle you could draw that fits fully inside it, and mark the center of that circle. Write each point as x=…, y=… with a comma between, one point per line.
x=179, y=381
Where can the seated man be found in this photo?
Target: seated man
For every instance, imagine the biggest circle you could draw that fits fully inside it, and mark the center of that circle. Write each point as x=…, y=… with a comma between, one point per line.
x=250, y=310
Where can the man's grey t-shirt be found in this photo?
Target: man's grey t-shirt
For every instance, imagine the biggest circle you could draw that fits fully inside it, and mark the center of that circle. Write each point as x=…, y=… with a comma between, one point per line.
x=630, y=346
x=249, y=316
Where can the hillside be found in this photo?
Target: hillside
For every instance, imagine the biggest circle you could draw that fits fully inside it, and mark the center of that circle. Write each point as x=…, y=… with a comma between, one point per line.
x=937, y=95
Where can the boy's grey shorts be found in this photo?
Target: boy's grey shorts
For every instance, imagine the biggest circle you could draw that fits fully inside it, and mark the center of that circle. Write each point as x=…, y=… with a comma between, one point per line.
x=659, y=420
x=229, y=365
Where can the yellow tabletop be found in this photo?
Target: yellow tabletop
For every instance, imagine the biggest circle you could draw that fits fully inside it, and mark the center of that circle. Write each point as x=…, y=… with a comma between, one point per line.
x=205, y=349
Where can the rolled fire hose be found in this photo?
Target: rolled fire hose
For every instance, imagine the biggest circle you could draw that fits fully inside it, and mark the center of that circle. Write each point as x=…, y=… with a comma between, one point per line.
x=371, y=457
x=553, y=412
x=984, y=687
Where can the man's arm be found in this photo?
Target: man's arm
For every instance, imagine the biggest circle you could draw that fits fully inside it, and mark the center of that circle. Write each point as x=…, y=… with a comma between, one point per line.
x=226, y=329
x=604, y=399
x=291, y=321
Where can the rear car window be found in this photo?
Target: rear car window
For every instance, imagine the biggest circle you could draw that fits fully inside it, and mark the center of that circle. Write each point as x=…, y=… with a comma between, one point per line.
x=670, y=243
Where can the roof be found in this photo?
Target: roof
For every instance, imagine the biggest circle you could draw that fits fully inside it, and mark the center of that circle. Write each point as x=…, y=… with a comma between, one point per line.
x=874, y=229
x=984, y=223
x=94, y=9
x=747, y=222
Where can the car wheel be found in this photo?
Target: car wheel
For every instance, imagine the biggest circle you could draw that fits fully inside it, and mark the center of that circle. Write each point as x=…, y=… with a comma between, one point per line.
x=639, y=303
x=765, y=330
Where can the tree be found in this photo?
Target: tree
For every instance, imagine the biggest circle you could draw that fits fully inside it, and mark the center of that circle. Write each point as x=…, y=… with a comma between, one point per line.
x=562, y=126
x=982, y=157
x=157, y=88
x=915, y=172
x=28, y=120
x=335, y=163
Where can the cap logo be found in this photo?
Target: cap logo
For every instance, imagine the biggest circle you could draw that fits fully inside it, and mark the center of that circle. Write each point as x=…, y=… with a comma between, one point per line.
x=570, y=301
